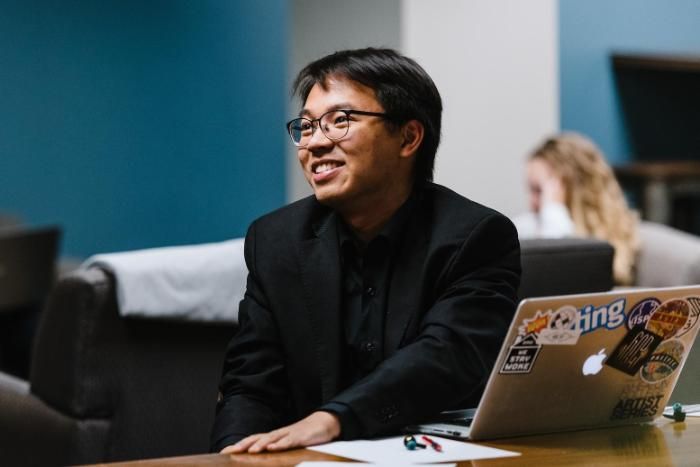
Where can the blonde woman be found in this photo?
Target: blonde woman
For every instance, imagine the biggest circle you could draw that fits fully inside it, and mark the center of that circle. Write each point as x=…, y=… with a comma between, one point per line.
x=573, y=192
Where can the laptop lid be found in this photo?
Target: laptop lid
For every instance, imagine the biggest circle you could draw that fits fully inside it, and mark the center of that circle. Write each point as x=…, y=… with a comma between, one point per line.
x=27, y=265
x=590, y=360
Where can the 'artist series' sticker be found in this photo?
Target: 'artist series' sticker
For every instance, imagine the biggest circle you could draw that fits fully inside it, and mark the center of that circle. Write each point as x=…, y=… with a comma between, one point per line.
x=635, y=408
x=694, y=303
x=631, y=353
x=668, y=318
x=521, y=356
x=663, y=362
x=640, y=313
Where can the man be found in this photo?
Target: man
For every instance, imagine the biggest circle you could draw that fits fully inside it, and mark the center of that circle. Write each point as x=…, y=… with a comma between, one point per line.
x=383, y=298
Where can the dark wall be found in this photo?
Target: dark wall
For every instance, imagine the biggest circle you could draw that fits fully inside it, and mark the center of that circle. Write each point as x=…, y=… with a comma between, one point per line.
x=142, y=123
x=589, y=31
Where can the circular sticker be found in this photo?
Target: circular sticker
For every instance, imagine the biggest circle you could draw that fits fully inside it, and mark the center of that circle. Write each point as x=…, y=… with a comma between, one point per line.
x=663, y=362
x=640, y=313
x=692, y=317
x=640, y=388
x=564, y=318
x=668, y=318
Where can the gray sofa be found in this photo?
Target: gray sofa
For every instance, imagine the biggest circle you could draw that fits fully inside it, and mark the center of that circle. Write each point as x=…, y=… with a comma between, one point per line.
x=107, y=388
x=667, y=256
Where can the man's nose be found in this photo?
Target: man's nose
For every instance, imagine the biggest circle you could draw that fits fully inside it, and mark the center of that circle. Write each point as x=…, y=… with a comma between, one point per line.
x=318, y=141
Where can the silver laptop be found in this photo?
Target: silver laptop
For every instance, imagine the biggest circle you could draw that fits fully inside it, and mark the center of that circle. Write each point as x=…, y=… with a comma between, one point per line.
x=582, y=361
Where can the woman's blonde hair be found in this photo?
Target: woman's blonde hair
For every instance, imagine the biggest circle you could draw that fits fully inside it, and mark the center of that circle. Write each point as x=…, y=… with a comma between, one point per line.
x=594, y=198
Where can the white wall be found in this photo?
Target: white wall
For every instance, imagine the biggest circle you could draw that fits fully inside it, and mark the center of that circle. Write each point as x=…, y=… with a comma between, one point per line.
x=320, y=27
x=495, y=63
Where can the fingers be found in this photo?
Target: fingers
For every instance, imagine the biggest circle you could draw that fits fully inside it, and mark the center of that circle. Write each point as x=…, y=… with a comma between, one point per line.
x=317, y=428
x=264, y=442
x=284, y=443
x=243, y=445
x=259, y=442
x=230, y=449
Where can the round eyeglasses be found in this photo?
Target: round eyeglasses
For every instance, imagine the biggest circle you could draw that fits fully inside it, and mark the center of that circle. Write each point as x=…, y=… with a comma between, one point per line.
x=335, y=124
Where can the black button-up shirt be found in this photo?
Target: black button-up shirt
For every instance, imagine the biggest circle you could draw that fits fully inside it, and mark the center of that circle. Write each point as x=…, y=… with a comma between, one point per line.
x=366, y=278
x=365, y=284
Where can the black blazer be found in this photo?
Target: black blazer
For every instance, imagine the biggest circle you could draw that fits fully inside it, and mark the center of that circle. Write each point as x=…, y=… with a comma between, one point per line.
x=451, y=299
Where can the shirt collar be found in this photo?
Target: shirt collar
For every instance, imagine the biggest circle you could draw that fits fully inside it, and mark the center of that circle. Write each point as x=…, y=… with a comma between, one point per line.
x=392, y=232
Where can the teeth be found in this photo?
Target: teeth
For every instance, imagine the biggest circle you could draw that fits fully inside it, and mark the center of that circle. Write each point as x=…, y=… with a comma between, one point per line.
x=324, y=167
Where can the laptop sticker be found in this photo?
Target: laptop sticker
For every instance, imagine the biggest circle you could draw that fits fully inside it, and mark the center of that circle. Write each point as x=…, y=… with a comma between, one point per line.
x=640, y=312
x=521, y=356
x=694, y=311
x=562, y=328
x=636, y=407
x=634, y=350
x=565, y=325
x=609, y=316
x=669, y=317
x=640, y=388
x=663, y=362
x=533, y=326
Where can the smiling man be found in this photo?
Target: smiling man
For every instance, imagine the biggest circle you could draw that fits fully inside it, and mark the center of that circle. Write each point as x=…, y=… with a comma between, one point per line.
x=383, y=298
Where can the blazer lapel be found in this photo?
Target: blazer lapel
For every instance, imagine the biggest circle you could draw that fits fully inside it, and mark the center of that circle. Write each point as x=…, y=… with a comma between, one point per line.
x=321, y=278
x=405, y=293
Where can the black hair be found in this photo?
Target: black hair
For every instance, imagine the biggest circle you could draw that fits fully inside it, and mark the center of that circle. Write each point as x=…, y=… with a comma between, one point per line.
x=401, y=86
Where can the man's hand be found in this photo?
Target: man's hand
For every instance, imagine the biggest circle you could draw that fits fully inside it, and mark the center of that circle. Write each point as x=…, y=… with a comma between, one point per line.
x=317, y=428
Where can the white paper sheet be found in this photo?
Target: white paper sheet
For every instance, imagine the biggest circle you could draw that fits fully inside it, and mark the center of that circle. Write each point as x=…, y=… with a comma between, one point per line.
x=355, y=464
x=391, y=451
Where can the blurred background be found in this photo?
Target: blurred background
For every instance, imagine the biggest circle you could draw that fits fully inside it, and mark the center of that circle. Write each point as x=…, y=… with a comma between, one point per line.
x=134, y=124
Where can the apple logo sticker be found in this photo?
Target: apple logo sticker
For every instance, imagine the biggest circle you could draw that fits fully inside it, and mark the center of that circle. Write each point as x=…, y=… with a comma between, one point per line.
x=594, y=363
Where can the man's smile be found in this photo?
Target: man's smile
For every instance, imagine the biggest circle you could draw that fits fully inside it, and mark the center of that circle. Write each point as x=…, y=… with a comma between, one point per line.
x=324, y=170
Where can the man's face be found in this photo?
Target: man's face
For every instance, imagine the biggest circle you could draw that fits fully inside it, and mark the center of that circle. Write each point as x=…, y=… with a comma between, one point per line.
x=362, y=168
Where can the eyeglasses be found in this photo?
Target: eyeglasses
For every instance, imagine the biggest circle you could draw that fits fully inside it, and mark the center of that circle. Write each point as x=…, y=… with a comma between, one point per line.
x=335, y=124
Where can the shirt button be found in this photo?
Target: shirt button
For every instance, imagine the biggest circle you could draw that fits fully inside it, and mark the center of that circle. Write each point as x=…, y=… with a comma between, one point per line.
x=369, y=346
x=371, y=291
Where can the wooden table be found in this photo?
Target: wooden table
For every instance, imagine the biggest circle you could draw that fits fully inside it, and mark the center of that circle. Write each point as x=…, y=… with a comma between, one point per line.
x=661, y=443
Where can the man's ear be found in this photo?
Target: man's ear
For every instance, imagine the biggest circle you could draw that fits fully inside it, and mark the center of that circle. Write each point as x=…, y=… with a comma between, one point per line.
x=412, y=134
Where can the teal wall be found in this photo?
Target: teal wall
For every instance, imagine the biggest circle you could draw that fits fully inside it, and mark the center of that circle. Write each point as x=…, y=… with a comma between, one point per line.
x=142, y=123
x=589, y=31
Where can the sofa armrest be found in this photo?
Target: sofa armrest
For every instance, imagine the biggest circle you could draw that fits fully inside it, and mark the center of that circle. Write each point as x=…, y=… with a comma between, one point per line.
x=71, y=331
x=22, y=444
x=155, y=381
x=667, y=257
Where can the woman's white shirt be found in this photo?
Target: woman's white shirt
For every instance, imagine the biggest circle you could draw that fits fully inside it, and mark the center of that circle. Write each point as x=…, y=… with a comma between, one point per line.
x=553, y=221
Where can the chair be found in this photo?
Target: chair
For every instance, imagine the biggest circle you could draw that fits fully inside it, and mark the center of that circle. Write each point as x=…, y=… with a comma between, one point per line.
x=105, y=388
x=27, y=271
x=667, y=256
x=560, y=266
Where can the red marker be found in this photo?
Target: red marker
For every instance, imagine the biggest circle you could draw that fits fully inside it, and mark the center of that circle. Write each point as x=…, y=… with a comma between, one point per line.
x=432, y=443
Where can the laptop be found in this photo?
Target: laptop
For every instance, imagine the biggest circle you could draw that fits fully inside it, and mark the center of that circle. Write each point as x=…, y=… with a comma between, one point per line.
x=582, y=361
x=27, y=265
